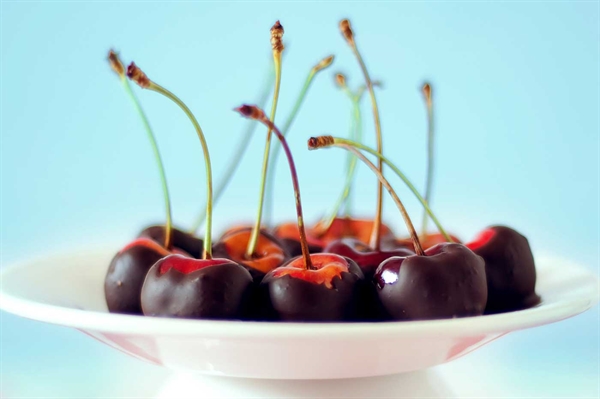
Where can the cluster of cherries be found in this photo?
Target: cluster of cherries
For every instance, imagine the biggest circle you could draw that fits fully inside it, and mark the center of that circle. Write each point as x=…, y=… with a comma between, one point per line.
x=339, y=269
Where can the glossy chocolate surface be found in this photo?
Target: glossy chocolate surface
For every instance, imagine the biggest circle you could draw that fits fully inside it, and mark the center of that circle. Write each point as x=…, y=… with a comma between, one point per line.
x=448, y=282
x=217, y=291
x=126, y=274
x=289, y=298
x=179, y=239
x=509, y=267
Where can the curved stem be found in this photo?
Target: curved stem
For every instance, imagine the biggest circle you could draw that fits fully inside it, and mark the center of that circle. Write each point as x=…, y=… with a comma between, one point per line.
x=207, y=253
x=236, y=157
x=430, y=161
x=397, y=171
x=159, y=162
x=257, y=114
x=284, y=132
x=376, y=234
x=386, y=184
x=265, y=166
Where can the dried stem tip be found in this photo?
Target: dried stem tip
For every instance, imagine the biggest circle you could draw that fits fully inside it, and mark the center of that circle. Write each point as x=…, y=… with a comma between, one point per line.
x=427, y=92
x=251, y=112
x=324, y=63
x=138, y=76
x=320, y=142
x=340, y=79
x=276, y=35
x=116, y=64
x=346, y=30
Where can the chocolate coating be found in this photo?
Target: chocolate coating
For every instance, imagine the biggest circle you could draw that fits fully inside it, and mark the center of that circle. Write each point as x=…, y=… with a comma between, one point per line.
x=448, y=282
x=179, y=239
x=125, y=277
x=213, y=292
x=291, y=299
x=510, y=270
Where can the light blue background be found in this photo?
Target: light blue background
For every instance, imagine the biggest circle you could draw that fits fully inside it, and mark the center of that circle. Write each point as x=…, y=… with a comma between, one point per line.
x=516, y=94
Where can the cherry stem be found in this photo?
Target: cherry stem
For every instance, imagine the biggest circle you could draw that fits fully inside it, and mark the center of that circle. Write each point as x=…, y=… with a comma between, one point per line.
x=207, y=253
x=386, y=184
x=119, y=68
x=349, y=35
x=235, y=159
x=326, y=62
x=257, y=114
x=277, y=50
x=356, y=135
x=327, y=141
x=430, y=152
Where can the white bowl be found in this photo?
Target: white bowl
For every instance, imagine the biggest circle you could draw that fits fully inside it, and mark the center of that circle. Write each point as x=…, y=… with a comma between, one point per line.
x=68, y=290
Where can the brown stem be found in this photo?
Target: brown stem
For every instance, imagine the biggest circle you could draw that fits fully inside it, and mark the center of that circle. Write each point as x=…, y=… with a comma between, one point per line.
x=253, y=112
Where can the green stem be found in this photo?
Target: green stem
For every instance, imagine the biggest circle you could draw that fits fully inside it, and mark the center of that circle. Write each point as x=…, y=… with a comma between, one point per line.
x=159, y=162
x=276, y=150
x=237, y=155
x=430, y=164
x=265, y=166
x=209, y=193
x=340, y=141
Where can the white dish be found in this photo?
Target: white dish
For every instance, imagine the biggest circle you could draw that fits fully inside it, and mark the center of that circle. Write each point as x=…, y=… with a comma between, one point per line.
x=68, y=290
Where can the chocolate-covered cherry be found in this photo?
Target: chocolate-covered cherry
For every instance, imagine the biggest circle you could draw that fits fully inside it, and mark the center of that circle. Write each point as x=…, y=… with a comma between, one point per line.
x=447, y=281
x=509, y=267
x=215, y=288
x=126, y=274
x=325, y=290
x=317, y=287
x=180, y=287
x=269, y=252
x=179, y=239
x=128, y=268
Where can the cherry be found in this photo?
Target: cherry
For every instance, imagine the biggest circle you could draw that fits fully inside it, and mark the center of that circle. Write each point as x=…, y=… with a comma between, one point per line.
x=269, y=253
x=318, y=287
x=450, y=281
x=127, y=270
x=327, y=292
x=179, y=238
x=209, y=288
x=196, y=288
x=447, y=281
x=509, y=267
x=126, y=274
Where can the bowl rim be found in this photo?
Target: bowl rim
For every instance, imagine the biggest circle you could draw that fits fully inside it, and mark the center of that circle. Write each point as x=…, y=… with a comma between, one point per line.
x=543, y=313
